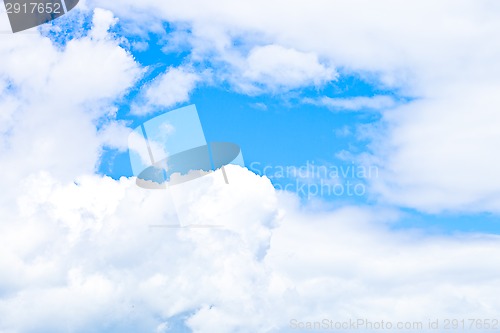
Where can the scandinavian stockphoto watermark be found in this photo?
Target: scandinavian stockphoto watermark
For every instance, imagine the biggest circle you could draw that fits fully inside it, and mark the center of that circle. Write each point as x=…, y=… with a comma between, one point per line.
x=26, y=14
x=313, y=179
x=429, y=324
x=354, y=324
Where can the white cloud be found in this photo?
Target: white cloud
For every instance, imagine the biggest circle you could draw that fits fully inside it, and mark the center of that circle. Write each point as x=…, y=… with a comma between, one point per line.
x=441, y=153
x=388, y=39
x=115, y=135
x=97, y=265
x=355, y=103
x=54, y=99
x=170, y=88
x=102, y=21
x=277, y=68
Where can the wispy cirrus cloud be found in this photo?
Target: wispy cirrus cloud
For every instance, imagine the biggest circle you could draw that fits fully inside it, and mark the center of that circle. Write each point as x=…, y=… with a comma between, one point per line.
x=354, y=103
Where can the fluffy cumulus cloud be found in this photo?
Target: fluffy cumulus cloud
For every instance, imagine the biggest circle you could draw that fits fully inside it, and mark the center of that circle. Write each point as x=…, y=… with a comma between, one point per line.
x=52, y=100
x=92, y=255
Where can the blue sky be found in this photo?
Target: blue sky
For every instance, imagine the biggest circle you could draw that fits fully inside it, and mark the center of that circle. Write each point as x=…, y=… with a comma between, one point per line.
x=279, y=130
x=324, y=85
x=273, y=129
